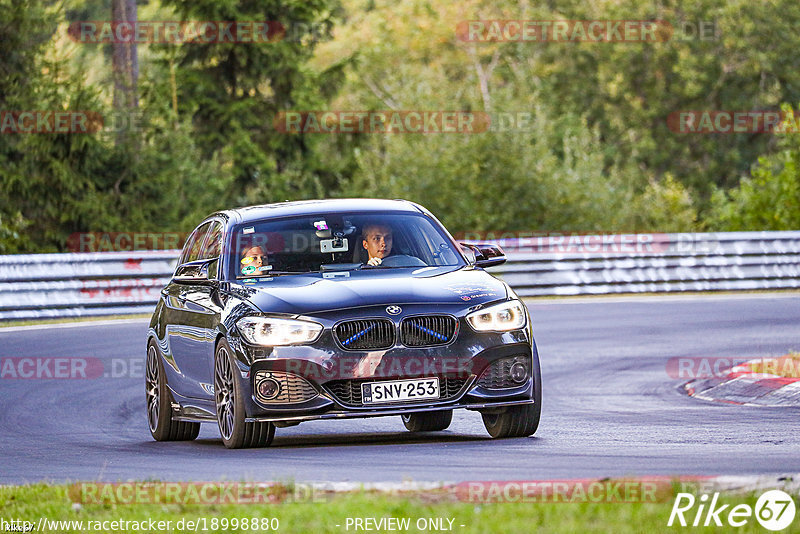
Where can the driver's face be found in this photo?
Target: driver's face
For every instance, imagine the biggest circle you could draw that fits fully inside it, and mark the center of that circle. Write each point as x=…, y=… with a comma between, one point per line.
x=378, y=241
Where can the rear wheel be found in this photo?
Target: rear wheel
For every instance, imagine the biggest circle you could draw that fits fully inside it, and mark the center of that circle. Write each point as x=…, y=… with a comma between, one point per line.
x=428, y=421
x=229, y=398
x=159, y=403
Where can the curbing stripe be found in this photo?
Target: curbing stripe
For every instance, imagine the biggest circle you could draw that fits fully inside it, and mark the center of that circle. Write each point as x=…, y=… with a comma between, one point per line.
x=743, y=387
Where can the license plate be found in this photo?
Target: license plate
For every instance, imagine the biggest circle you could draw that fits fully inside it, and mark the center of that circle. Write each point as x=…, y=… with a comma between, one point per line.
x=400, y=390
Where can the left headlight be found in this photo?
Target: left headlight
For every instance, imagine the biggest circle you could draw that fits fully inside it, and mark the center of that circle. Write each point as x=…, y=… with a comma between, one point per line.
x=273, y=331
x=498, y=318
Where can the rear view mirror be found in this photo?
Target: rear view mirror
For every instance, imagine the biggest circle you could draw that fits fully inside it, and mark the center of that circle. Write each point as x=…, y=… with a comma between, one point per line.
x=196, y=272
x=483, y=254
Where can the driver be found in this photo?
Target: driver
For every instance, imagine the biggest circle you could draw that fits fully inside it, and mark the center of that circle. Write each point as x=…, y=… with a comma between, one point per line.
x=377, y=240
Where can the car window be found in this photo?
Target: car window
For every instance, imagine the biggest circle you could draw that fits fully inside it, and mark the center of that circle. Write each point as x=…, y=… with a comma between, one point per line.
x=192, y=250
x=335, y=241
x=213, y=242
x=187, y=246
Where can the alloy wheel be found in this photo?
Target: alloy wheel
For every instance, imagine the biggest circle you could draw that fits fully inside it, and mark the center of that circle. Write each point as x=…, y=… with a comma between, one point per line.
x=152, y=388
x=224, y=393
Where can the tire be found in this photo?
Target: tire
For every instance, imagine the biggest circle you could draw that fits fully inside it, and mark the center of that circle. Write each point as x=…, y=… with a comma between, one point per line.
x=515, y=422
x=159, y=403
x=229, y=400
x=428, y=421
x=518, y=421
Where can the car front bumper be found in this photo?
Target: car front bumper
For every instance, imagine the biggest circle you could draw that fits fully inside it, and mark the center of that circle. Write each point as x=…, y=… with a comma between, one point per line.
x=335, y=374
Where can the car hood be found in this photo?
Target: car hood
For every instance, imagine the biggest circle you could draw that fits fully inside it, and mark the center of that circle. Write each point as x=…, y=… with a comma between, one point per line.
x=318, y=292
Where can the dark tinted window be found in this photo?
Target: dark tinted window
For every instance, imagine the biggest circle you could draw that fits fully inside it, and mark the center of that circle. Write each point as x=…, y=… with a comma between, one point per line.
x=187, y=246
x=191, y=251
x=334, y=241
x=213, y=243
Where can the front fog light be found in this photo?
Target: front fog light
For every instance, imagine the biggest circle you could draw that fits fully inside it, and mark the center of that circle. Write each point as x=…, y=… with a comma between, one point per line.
x=268, y=389
x=519, y=373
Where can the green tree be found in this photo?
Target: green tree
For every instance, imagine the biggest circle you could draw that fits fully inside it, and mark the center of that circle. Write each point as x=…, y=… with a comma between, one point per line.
x=47, y=186
x=768, y=199
x=408, y=56
x=233, y=91
x=55, y=184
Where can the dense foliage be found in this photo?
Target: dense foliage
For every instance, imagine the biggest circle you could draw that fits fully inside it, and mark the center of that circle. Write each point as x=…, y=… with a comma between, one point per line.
x=595, y=153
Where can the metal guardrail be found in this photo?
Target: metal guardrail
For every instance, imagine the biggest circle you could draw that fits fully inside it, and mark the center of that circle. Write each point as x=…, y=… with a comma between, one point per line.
x=82, y=284
x=658, y=263
x=85, y=284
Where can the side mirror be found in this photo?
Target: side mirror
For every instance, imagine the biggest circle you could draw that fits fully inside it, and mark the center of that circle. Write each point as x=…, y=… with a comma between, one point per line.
x=484, y=254
x=196, y=272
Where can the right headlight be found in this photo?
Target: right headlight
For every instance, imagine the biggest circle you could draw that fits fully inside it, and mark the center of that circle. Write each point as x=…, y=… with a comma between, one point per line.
x=273, y=331
x=501, y=317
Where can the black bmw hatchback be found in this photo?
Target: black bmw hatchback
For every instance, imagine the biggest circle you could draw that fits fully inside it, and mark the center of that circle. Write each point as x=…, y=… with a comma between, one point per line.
x=290, y=312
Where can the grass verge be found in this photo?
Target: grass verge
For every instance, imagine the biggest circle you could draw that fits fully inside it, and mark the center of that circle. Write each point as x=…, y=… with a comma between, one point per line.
x=330, y=515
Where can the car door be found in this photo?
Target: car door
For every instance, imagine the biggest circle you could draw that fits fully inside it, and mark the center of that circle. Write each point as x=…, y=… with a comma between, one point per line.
x=205, y=303
x=190, y=324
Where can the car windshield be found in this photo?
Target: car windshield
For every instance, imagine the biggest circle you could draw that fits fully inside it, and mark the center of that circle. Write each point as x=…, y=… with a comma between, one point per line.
x=337, y=242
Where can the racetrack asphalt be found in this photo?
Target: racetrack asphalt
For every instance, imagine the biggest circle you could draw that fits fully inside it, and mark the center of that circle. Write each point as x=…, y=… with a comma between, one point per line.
x=610, y=408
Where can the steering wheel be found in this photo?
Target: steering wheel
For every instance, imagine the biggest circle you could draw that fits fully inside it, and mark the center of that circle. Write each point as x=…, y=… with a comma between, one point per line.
x=402, y=260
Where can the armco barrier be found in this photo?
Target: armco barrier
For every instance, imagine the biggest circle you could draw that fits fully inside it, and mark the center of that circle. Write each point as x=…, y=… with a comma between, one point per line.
x=71, y=285
x=67, y=285
x=594, y=265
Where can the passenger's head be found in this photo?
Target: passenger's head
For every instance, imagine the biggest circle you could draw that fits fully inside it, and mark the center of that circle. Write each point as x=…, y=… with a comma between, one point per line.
x=254, y=256
x=377, y=239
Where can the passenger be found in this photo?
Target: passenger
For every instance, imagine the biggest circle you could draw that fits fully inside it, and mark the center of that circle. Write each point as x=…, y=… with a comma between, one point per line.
x=377, y=240
x=254, y=257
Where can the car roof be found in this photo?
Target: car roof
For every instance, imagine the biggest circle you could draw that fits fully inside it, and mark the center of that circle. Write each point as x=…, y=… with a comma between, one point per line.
x=314, y=207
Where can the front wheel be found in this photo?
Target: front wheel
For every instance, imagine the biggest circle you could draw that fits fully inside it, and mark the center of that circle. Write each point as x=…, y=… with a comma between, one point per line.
x=518, y=421
x=159, y=403
x=229, y=399
x=428, y=421
x=515, y=422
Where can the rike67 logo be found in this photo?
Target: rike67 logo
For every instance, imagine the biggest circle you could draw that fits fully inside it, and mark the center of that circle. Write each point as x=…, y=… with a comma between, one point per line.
x=774, y=510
